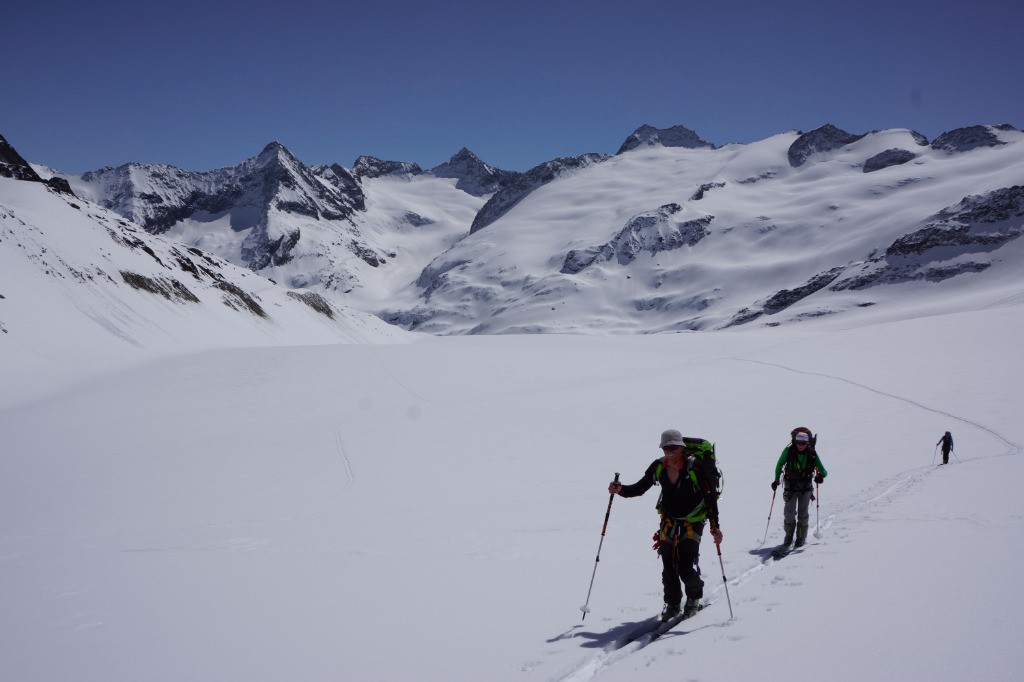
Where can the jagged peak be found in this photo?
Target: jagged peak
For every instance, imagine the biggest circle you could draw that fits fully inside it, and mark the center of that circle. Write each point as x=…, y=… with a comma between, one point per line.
x=12, y=164
x=676, y=136
x=276, y=152
x=372, y=167
x=464, y=154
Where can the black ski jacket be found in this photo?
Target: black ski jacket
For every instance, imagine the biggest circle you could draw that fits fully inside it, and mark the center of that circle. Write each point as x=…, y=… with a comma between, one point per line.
x=687, y=498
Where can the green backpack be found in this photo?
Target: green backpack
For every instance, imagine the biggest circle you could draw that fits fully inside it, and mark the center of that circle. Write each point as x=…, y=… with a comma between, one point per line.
x=698, y=448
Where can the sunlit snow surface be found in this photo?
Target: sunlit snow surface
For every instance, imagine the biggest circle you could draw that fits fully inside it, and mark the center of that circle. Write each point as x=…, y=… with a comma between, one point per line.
x=432, y=510
x=192, y=492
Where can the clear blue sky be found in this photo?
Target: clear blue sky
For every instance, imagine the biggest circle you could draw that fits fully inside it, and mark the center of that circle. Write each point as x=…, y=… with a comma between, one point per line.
x=202, y=85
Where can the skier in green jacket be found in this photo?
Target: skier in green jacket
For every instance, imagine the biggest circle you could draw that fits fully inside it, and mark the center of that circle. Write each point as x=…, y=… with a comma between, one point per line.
x=801, y=464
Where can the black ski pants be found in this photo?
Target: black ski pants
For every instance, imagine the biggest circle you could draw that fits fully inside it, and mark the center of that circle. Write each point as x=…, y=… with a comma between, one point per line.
x=679, y=567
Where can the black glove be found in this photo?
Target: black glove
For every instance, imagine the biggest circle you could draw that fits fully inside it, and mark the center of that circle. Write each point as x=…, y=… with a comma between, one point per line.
x=819, y=479
x=775, y=484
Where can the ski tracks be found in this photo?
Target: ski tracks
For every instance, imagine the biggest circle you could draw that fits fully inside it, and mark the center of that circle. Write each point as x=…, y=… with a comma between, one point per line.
x=624, y=646
x=350, y=474
x=1013, y=448
x=882, y=492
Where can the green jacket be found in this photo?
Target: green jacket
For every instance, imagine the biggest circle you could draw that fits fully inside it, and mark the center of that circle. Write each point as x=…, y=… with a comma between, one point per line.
x=803, y=463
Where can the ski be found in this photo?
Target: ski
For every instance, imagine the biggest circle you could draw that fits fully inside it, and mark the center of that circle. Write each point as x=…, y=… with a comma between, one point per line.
x=672, y=622
x=646, y=634
x=783, y=551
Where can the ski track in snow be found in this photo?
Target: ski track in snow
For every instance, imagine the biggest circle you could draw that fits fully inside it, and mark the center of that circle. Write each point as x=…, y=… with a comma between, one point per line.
x=886, y=489
x=349, y=472
x=1014, y=448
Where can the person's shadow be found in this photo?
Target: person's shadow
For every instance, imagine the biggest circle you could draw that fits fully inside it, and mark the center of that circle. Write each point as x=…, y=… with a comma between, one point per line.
x=617, y=636
x=763, y=553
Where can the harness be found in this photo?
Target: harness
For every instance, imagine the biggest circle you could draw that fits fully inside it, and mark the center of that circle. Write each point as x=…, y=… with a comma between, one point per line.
x=673, y=529
x=796, y=470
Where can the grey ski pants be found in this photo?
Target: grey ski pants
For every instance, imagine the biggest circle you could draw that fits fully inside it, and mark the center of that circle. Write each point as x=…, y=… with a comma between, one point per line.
x=798, y=503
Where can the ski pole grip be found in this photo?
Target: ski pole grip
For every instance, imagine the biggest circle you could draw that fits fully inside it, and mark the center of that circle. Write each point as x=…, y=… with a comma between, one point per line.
x=616, y=476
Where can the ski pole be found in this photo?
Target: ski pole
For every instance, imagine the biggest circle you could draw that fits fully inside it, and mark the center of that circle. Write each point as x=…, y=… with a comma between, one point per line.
x=935, y=452
x=953, y=450
x=769, y=517
x=817, y=510
x=724, y=581
x=586, y=607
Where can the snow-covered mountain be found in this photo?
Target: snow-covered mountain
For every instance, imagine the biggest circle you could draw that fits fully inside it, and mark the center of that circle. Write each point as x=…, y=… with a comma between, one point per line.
x=670, y=233
x=472, y=175
x=305, y=227
x=69, y=264
x=691, y=237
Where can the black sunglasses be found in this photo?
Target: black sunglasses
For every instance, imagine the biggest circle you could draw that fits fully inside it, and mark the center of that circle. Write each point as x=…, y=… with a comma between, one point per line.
x=672, y=448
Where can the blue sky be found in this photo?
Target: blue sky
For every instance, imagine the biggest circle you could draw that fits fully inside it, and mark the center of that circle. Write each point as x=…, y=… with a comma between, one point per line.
x=203, y=85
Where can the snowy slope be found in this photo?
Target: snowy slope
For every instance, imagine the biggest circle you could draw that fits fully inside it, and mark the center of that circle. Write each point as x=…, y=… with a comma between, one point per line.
x=673, y=238
x=84, y=291
x=193, y=490
x=423, y=511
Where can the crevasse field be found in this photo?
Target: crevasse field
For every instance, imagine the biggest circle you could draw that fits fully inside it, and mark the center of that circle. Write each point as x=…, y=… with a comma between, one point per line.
x=431, y=510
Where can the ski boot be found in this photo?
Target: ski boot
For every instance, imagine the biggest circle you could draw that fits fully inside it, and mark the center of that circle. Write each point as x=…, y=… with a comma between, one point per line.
x=801, y=534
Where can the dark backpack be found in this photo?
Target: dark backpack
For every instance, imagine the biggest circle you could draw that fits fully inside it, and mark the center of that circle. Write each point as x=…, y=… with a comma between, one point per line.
x=791, y=470
x=700, y=449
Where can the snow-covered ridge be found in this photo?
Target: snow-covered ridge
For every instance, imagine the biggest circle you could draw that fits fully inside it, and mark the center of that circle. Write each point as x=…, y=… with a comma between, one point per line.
x=66, y=263
x=796, y=227
x=671, y=233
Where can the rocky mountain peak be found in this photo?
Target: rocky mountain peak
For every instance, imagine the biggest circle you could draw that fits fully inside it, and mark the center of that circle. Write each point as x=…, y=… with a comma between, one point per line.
x=12, y=165
x=372, y=167
x=276, y=153
x=676, y=136
x=824, y=139
x=474, y=176
x=972, y=137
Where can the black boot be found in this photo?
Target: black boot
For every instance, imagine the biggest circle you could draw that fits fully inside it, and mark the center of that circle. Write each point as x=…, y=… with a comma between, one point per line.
x=790, y=526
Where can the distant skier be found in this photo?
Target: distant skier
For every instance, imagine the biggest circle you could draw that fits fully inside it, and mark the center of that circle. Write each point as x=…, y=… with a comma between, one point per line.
x=802, y=466
x=947, y=445
x=688, y=498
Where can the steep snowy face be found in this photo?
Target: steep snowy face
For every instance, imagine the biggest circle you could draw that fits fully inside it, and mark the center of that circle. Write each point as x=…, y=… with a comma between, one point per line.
x=522, y=185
